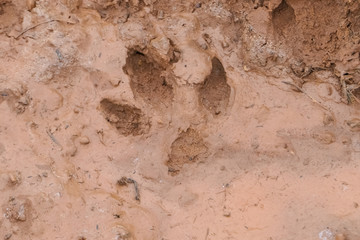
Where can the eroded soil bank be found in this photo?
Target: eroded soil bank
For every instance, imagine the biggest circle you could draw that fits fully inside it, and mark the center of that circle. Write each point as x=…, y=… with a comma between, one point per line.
x=152, y=119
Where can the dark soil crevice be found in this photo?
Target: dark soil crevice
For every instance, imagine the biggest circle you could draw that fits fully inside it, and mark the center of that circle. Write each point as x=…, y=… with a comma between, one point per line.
x=147, y=81
x=215, y=93
x=128, y=120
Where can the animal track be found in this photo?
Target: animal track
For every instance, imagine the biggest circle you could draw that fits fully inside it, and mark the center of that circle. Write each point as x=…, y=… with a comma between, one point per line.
x=215, y=92
x=283, y=17
x=189, y=147
x=147, y=80
x=18, y=101
x=128, y=120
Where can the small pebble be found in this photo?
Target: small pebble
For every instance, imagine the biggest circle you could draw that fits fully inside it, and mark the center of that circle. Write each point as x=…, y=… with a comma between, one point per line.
x=354, y=124
x=12, y=178
x=177, y=54
x=7, y=236
x=224, y=44
x=84, y=140
x=326, y=234
x=328, y=120
x=160, y=15
x=24, y=100
x=71, y=151
x=246, y=68
x=204, y=46
x=57, y=195
x=21, y=213
x=30, y=4
x=207, y=38
x=15, y=178
x=227, y=214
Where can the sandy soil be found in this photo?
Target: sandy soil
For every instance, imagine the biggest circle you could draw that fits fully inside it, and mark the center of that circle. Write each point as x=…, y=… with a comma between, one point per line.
x=153, y=119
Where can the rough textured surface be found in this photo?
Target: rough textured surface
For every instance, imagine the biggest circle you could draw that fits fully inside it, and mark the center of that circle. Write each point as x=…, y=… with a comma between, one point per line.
x=147, y=80
x=215, y=92
x=188, y=148
x=127, y=119
x=227, y=119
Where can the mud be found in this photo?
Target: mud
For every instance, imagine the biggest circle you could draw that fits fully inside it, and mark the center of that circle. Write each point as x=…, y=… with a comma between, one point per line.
x=127, y=120
x=147, y=81
x=143, y=119
x=215, y=92
x=188, y=148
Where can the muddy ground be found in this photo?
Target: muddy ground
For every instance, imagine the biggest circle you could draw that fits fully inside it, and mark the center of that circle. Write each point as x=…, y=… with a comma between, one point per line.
x=153, y=119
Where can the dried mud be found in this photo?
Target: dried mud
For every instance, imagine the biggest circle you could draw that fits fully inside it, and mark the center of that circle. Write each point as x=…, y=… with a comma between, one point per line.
x=147, y=81
x=215, y=92
x=127, y=120
x=188, y=148
x=144, y=119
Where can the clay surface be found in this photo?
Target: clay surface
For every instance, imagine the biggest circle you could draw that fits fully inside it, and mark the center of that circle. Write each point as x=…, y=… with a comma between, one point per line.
x=173, y=120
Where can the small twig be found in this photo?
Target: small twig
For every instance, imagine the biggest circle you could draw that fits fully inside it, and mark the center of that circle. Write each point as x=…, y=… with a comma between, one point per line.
x=354, y=97
x=307, y=73
x=312, y=99
x=124, y=181
x=32, y=27
x=137, y=194
x=348, y=92
x=207, y=233
x=345, y=91
x=52, y=137
x=100, y=134
x=36, y=25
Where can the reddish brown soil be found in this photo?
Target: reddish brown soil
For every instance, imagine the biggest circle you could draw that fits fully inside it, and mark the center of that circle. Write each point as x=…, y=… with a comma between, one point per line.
x=152, y=119
x=215, y=92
